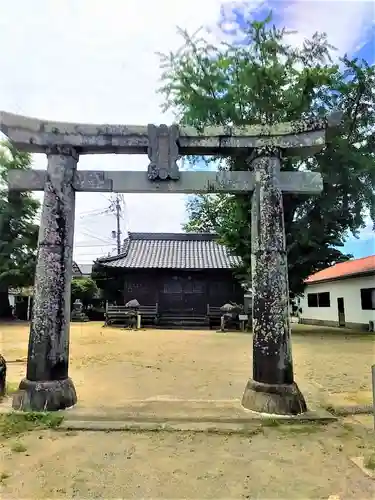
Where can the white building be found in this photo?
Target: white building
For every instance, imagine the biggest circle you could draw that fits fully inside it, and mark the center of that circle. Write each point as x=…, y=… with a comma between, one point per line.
x=341, y=295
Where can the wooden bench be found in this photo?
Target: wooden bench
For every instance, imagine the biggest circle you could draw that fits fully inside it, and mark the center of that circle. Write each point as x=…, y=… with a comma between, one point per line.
x=149, y=314
x=120, y=314
x=214, y=315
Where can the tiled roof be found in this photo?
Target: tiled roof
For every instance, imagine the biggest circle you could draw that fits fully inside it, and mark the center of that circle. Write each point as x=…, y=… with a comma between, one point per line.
x=172, y=251
x=344, y=270
x=85, y=269
x=76, y=270
x=81, y=269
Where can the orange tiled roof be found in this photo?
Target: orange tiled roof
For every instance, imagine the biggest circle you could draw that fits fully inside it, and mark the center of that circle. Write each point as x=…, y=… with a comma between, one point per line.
x=343, y=269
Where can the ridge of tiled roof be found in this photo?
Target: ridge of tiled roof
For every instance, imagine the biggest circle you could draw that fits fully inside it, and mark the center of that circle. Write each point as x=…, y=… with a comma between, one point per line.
x=173, y=236
x=344, y=270
x=172, y=251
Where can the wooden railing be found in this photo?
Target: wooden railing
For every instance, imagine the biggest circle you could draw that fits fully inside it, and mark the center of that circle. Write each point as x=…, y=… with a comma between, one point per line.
x=119, y=314
x=213, y=314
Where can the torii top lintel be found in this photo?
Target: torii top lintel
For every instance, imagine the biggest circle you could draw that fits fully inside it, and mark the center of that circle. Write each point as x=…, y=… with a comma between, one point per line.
x=302, y=138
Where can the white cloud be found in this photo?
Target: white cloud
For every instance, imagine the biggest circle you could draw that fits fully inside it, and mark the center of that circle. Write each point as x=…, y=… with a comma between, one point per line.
x=345, y=21
x=94, y=61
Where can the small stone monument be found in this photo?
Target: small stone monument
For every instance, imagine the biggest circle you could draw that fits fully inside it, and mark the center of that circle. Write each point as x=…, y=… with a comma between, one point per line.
x=133, y=304
x=229, y=311
x=77, y=313
x=133, y=317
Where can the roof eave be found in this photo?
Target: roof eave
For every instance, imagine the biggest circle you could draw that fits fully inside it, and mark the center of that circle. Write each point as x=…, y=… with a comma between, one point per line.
x=130, y=268
x=340, y=278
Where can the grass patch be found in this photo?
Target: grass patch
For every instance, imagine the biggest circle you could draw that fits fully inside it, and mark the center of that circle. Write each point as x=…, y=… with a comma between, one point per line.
x=270, y=422
x=71, y=433
x=310, y=428
x=243, y=432
x=11, y=388
x=331, y=409
x=369, y=462
x=347, y=426
x=18, y=447
x=13, y=424
x=4, y=476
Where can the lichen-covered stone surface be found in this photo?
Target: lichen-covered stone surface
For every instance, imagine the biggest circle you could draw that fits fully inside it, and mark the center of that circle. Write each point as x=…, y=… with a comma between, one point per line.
x=45, y=396
x=163, y=153
x=273, y=363
x=272, y=354
x=188, y=182
x=276, y=399
x=48, y=353
x=33, y=135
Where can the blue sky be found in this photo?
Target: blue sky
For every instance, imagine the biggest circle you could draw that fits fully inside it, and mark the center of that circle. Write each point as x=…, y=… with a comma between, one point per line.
x=95, y=62
x=232, y=20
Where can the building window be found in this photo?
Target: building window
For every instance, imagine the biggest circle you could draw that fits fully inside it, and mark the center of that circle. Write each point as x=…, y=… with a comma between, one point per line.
x=318, y=299
x=324, y=300
x=312, y=299
x=368, y=299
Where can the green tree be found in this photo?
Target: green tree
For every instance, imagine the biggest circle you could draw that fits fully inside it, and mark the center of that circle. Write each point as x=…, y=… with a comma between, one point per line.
x=18, y=230
x=84, y=289
x=109, y=281
x=269, y=81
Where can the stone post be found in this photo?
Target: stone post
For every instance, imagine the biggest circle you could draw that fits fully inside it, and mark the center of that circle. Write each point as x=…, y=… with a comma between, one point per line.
x=47, y=385
x=272, y=389
x=3, y=377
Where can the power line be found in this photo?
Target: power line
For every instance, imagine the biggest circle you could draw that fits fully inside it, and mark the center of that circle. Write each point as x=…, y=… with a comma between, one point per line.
x=86, y=233
x=91, y=211
x=115, y=208
x=94, y=254
x=93, y=245
x=94, y=213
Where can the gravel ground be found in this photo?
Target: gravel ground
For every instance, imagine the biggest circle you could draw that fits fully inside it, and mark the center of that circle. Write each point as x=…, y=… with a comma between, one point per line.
x=276, y=463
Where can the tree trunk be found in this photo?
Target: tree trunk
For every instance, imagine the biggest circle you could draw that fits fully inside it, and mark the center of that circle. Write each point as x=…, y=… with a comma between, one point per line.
x=5, y=309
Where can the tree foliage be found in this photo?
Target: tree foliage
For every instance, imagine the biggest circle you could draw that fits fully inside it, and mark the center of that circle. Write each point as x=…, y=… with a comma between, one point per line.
x=84, y=289
x=109, y=281
x=270, y=81
x=18, y=230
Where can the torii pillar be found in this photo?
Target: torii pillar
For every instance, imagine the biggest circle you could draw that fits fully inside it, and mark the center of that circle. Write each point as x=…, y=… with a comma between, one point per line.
x=272, y=389
x=47, y=385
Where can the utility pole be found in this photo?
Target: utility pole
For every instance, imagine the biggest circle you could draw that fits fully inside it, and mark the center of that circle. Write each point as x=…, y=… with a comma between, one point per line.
x=115, y=208
x=118, y=233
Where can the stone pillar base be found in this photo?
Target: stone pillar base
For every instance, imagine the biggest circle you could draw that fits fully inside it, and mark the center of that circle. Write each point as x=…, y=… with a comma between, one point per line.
x=49, y=395
x=278, y=399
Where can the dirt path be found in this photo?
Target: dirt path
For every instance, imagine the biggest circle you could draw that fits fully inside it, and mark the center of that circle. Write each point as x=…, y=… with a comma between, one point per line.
x=111, y=365
x=278, y=462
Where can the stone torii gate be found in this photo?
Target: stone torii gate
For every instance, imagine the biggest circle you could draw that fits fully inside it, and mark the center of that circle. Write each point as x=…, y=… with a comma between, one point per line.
x=272, y=389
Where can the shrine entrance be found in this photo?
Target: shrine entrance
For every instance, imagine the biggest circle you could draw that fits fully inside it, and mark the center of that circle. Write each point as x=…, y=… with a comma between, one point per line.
x=271, y=389
x=183, y=293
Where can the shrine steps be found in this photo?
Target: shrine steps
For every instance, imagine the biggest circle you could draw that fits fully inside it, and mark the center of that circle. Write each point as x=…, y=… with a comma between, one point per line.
x=181, y=320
